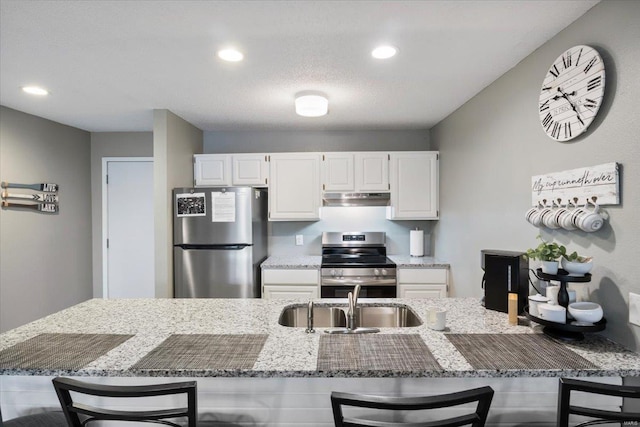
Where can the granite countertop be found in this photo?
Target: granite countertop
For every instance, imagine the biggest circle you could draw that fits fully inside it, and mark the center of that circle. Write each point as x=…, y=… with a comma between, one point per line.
x=290, y=352
x=314, y=261
x=292, y=262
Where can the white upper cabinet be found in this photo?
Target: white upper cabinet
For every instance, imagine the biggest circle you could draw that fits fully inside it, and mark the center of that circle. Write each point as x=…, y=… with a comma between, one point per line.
x=294, y=187
x=371, y=171
x=338, y=172
x=217, y=170
x=250, y=169
x=414, y=185
x=212, y=170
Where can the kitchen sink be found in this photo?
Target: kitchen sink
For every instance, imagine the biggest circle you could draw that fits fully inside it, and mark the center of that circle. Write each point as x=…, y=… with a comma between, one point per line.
x=323, y=317
x=367, y=316
x=399, y=316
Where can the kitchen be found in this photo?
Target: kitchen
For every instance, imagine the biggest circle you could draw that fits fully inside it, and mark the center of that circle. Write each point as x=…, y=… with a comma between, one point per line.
x=486, y=164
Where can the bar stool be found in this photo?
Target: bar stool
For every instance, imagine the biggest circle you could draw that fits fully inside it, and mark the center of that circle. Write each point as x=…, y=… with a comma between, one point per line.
x=73, y=410
x=44, y=419
x=567, y=385
x=477, y=418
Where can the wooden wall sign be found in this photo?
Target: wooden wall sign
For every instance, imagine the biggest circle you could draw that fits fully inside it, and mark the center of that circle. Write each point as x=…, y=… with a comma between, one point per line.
x=46, y=202
x=596, y=184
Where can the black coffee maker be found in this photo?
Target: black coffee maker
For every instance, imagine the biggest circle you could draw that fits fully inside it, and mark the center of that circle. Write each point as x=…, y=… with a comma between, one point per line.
x=504, y=272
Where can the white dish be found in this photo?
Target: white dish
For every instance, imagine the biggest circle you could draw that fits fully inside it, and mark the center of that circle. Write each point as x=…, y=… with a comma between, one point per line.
x=586, y=311
x=553, y=313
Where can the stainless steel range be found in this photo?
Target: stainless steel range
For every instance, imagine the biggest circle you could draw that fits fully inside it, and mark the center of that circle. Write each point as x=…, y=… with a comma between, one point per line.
x=356, y=258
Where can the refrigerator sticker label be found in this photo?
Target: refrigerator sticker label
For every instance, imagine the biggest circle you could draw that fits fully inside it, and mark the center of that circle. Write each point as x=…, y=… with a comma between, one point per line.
x=190, y=204
x=223, y=207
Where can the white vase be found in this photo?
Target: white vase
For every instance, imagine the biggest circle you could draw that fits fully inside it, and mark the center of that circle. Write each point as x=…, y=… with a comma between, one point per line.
x=550, y=267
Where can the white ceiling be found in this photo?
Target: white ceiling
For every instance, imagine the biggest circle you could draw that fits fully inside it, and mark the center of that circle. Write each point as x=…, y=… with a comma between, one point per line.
x=109, y=64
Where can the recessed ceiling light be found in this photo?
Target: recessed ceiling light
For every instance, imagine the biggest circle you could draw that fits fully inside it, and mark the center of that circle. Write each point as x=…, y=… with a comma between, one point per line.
x=384, y=52
x=35, y=90
x=312, y=105
x=230, y=55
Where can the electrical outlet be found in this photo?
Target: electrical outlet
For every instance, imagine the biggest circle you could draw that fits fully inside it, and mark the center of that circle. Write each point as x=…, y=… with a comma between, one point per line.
x=299, y=240
x=634, y=308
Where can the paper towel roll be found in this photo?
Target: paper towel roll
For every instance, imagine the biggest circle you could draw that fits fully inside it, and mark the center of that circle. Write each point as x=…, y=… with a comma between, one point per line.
x=416, y=243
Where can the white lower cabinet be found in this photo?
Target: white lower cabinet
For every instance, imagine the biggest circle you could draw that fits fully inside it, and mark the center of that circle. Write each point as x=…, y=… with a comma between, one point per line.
x=290, y=283
x=423, y=282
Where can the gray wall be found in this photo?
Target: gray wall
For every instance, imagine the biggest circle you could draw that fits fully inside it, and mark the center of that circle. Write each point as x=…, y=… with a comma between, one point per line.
x=110, y=144
x=174, y=143
x=282, y=234
x=272, y=141
x=493, y=144
x=45, y=259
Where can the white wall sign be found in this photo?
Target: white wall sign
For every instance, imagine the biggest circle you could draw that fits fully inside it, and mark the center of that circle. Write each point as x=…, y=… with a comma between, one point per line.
x=598, y=184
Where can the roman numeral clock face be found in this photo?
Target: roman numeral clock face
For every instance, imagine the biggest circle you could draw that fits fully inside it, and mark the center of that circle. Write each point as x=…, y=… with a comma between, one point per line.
x=571, y=93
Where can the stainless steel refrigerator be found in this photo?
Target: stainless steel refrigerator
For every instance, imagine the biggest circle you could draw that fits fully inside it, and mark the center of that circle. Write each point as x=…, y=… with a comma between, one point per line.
x=219, y=241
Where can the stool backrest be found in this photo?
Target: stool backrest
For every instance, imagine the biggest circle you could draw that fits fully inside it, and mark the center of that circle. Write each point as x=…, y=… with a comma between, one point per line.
x=79, y=414
x=476, y=418
x=567, y=385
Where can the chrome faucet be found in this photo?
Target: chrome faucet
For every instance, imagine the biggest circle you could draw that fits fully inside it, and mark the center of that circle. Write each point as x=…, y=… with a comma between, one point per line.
x=310, y=329
x=353, y=305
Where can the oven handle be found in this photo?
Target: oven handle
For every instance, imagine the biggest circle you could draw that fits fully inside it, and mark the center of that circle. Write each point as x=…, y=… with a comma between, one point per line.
x=373, y=282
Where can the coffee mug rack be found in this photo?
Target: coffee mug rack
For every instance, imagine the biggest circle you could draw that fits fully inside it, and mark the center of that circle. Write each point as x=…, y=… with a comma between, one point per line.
x=570, y=216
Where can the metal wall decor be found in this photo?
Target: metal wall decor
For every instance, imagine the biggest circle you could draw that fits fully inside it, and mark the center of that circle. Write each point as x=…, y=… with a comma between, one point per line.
x=45, y=199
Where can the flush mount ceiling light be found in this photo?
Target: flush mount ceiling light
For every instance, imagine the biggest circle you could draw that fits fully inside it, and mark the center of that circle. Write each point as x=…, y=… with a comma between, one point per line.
x=35, y=90
x=384, y=52
x=230, y=55
x=311, y=105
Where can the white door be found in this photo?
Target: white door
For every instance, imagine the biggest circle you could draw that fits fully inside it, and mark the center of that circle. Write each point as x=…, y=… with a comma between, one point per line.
x=372, y=171
x=129, y=244
x=212, y=170
x=337, y=172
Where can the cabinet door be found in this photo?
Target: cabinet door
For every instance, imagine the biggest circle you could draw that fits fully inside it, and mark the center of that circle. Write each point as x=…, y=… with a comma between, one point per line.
x=372, y=171
x=289, y=292
x=337, y=172
x=295, y=187
x=212, y=170
x=422, y=291
x=250, y=169
x=414, y=185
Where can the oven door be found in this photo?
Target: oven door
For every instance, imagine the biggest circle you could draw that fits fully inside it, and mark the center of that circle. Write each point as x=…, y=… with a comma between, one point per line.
x=374, y=288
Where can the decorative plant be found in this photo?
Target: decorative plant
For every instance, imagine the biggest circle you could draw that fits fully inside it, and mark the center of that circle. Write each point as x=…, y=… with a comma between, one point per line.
x=546, y=251
x=574, y=257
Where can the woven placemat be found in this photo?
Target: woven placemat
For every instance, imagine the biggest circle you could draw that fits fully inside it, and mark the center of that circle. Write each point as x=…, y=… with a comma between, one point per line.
x=516, y=351
x=204, y=351
x=59, y=351
x=375, y=352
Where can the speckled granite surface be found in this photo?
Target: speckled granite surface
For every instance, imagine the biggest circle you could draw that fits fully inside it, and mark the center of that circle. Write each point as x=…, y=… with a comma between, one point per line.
x=406, y=261
x=313, y=261
x=288, y=352
x=293, y=261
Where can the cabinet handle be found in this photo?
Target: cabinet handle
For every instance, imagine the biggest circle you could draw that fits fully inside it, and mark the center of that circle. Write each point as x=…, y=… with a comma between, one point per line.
x=265, y=180
x=322, y=187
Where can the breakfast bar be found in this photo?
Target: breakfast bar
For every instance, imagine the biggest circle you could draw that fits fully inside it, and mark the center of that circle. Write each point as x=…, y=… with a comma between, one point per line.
x=248, y=365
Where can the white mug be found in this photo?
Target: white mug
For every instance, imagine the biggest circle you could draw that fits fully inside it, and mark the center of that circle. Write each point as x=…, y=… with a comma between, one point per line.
x=436, y=318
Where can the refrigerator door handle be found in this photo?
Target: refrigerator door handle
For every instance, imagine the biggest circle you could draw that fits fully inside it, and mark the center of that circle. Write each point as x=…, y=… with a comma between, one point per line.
x=236, y=247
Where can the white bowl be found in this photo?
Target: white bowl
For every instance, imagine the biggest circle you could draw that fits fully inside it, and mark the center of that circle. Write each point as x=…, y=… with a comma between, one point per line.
x=534, y=302
x=589, y=312
x=576, y=268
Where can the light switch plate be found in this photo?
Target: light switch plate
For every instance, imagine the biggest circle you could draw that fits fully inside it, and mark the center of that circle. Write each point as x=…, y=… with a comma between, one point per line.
x=634, y=308
x=299, y=240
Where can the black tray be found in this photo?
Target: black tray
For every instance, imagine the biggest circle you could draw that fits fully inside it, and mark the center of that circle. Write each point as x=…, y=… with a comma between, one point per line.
x=566, y=331
x=563, y=276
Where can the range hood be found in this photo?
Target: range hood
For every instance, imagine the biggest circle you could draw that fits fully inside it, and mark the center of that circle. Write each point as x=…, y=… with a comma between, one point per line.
x=356, y=199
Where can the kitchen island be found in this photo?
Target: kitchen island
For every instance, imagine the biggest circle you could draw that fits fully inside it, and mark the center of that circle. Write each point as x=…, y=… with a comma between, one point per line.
x=282, y=383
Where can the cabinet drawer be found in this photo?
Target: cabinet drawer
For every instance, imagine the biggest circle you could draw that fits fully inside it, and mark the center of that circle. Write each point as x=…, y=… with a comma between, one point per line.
x=290, y=277
x=422, y=275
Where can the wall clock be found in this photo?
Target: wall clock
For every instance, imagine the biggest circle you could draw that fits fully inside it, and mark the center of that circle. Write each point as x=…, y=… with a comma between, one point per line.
x=571, y=93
